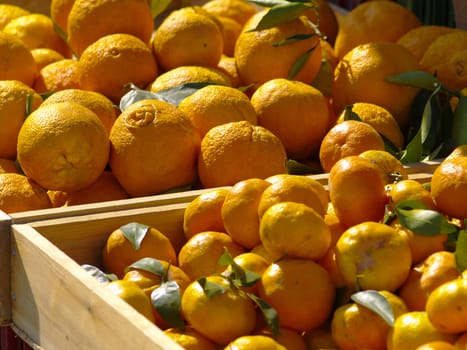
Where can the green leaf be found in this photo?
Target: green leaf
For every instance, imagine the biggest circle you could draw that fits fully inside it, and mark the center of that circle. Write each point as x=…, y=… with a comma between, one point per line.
x=459, y=123
x=148, y=264
x=29, y=104
x=269, y=313
x=461, y=250
x=418, y=79
x=349, y=114
x=299, y=63
x=281, y=13
x=239, y=277
x=135, y=233
x=135, y=94
x=158, y=6
x=268, y=3
x=173, y=95
x=211, y=289
x=377, y=303
x=297, y=168
x=166, y=300
x=293, y=39
x=424, y=221
x=323, y=80
x=413, y=150
x=98, y=274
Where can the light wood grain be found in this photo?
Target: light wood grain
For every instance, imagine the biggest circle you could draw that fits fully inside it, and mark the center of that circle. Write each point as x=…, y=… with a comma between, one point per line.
x=5, y=304
x=60, y=306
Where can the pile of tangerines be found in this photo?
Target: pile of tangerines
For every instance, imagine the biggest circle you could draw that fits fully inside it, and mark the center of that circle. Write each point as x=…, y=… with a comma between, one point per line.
x=367, y=261
x=111, y=99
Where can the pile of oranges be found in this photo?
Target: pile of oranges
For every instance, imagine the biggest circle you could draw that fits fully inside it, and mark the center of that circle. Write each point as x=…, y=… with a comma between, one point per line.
x=111, y=99
x=298, y=264
x=267, y=87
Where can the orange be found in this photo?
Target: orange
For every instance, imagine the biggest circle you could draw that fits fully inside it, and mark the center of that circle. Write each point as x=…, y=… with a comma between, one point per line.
x=133, y=241
x=59, y=75
x=356, y=191
x=131, y=293
x=447, y=306
x=421, y=246
x=188, y=74
x=18, y=193
x=36, y=30
x=8, y=166
x=13, y=101
x=373, y=256
x=204, y=212
x=257, y=342
x=391, y=169
x=149, y=280
x=59, y=11
x=105, y=188
x=238, y=10
x=290, y=229
x=231, y=313
x=110, y=63
x=63, y=146
x=424, y=277
x=239, y=211
x=190, y=339
x=159, y=126
x=290, y=339
x=356, y=327
x=370, y=65
x=198, y=257
x=96, y=102
x=328, y=261
x=380, y=119
x=237, y=151
x=300, y=290
x=45, y=56
x=231, y=31
x=252, y=262
x=16, y=60
x=10, y=11
x=413, y=329
x=89, y=20
x=295, y=112
x=417, y=39
x=188, y=37
x=436, y=345
x=349, y=138
x=449, y=186
x=324, y=16
x=460, y=150
x=260, y=250
x=294, y=188
x=374, y=21
x=446, y=57
x=256, y=50
x=229, y=68
x=214, y=105
x=410, y=190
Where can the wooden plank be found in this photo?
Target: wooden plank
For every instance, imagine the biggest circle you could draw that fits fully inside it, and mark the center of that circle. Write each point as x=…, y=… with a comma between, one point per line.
x=5, y=252
x=94, y=208
x=83, y=237
x=60, y=306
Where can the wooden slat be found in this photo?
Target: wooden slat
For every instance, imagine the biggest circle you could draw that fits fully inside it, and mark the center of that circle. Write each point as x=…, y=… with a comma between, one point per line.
x=5, y=304
x=60, y=306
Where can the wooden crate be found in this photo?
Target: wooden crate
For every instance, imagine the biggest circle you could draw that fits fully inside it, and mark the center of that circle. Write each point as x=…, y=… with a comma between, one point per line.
x=51, y=301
